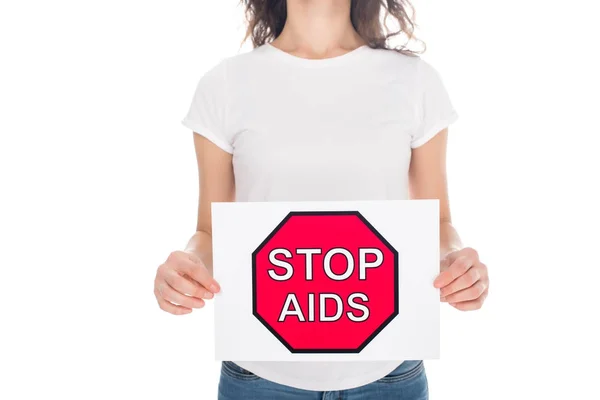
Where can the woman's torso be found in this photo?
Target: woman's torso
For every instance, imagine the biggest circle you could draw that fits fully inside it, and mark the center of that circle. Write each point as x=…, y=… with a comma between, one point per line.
x=332, y=131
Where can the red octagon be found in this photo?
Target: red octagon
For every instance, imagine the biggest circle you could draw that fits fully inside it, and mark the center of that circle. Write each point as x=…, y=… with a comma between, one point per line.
x=325, y=282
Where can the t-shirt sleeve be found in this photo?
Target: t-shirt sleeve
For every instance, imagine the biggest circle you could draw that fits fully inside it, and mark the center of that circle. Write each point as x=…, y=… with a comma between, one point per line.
x=435, y=107
x=207, y=113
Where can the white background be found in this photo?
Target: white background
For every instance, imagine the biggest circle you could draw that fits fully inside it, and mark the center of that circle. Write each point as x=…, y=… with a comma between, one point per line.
x=98, y=185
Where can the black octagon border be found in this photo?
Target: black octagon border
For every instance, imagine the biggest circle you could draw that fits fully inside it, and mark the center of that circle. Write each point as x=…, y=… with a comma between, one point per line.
x=320, y=351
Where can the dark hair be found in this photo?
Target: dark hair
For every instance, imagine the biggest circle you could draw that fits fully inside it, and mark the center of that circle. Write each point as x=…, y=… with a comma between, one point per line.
x=266, y=19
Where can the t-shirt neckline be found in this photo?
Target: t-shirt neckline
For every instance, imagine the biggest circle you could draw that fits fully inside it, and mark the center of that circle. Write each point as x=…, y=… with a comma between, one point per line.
x=315, y=62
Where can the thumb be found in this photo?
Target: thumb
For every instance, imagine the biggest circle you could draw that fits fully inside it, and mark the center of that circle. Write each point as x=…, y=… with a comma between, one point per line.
x=444, y=265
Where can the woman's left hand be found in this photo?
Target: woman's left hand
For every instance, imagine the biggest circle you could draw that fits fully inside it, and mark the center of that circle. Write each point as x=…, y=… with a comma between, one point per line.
x=463, y=281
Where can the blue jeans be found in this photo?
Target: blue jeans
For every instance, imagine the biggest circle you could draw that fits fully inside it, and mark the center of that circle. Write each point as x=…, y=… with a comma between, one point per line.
x=407, y=382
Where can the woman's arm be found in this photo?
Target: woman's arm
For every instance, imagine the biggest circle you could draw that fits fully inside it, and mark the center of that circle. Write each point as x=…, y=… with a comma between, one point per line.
x=185, y=280
x=463, y=281
x=427, y=180
x=216, y=183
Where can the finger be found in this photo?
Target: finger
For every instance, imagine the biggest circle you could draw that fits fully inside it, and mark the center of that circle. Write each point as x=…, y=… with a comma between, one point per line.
x=186, y=286
x=459, y=267
x=173, y=296
x=468, y=305
x=169, y=307
x=471, y=293
x=472, y=304
x=197, y=271
x=464, y=281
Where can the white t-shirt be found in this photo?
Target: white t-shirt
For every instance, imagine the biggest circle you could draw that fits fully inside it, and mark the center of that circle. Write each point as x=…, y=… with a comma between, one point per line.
x=340, y=128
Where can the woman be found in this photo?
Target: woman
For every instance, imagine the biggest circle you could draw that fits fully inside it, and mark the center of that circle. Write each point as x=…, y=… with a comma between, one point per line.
x=320, y=99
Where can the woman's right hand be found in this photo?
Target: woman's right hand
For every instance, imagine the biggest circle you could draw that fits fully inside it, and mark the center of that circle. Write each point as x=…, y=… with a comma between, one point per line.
x=183, y=283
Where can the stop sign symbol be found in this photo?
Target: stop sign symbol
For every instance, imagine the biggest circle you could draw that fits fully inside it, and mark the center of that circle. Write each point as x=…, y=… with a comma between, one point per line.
x=325, y=282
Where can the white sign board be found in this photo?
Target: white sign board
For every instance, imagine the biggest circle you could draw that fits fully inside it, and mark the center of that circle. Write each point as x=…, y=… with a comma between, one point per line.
x=326, y=281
